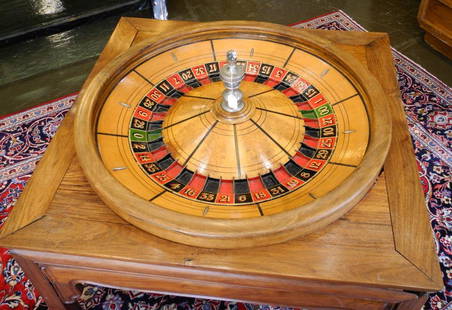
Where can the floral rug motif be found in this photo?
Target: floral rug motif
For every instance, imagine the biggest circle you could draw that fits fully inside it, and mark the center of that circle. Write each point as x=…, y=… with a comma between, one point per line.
x=24, y=137
x=23, y=140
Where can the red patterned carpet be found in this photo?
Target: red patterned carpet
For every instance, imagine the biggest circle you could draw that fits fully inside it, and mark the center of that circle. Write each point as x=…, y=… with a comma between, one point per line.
x=24, y=137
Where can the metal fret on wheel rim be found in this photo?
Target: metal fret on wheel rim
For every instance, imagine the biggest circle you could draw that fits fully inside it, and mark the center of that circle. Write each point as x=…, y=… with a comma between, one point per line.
x=232, y=134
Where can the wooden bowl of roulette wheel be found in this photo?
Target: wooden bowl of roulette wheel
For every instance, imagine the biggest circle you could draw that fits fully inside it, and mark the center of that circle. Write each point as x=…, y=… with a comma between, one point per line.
x=299, y=142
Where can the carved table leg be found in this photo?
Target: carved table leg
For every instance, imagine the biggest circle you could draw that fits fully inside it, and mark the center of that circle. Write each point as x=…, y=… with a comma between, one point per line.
x=40, y=281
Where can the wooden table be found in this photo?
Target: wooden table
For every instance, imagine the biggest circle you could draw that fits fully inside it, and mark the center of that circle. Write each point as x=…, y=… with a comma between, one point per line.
x=435, y=17
x=378, y=256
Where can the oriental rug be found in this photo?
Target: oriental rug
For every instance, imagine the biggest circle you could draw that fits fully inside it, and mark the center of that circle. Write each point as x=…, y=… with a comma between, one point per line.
x=24, y=137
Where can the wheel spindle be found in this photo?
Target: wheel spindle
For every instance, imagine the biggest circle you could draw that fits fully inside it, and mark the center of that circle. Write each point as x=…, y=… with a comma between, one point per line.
x=232, y=74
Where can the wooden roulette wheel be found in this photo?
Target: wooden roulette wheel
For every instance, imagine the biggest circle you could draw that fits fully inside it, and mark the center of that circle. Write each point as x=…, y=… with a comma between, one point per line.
x=299, y=146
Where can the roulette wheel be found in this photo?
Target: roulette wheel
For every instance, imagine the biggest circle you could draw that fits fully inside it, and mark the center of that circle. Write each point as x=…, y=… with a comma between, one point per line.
x=233, y=134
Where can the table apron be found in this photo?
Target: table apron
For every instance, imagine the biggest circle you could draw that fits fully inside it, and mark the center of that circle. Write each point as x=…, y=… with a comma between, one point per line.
x=66, y=272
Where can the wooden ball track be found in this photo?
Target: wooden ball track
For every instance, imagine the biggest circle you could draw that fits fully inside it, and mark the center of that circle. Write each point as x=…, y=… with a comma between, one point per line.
x=160, y=150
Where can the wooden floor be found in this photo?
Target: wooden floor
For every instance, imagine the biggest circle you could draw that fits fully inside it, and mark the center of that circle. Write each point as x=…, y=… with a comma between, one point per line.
x=39, y=18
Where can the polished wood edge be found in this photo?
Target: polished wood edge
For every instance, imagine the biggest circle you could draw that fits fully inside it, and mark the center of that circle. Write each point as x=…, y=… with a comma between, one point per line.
x=210, y=277
x=411, y=226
